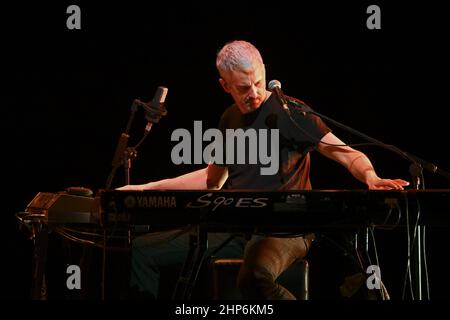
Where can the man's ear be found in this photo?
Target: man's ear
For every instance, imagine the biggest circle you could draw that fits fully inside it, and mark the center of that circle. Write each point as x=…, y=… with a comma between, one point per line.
x=224, y=85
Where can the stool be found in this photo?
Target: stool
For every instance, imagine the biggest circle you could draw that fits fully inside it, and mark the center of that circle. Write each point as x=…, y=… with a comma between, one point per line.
x=225, y=271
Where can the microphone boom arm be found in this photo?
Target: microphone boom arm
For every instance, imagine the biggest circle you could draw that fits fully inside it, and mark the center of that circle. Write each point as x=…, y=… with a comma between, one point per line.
x=303, y=107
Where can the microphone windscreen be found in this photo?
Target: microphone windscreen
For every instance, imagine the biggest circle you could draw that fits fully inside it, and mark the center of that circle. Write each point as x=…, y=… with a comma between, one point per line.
x=274, y=84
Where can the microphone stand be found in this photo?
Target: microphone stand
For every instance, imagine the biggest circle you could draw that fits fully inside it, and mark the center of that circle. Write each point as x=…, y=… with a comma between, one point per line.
x=416, y=171
x=124, y=156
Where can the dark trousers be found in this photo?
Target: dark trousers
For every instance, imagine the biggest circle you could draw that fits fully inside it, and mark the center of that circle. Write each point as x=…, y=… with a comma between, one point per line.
x=265, y=259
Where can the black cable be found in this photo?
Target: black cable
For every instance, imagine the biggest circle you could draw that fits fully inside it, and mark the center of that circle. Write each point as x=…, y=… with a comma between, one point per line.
x=416, y=227
x=408, y=262
x=396, y=223
x=426, y=265
x=375, y=250
x=343, y=250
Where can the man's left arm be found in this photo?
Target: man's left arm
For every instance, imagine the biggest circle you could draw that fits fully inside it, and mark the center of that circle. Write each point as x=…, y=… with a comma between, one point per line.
x=357, y=163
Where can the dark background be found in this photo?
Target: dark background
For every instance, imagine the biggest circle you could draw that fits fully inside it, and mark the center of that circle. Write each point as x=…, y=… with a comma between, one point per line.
x=67, y=95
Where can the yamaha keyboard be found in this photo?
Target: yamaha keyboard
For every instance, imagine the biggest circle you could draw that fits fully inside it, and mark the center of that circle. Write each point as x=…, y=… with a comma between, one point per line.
x=224, y=210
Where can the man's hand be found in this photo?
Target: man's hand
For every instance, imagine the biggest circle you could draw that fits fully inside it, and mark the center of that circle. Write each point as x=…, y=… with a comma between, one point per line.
x=136, y=187
x=377, y=183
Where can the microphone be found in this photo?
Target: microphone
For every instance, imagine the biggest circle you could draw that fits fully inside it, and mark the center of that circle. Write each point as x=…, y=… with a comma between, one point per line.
x=155, y=108
x=275, y=87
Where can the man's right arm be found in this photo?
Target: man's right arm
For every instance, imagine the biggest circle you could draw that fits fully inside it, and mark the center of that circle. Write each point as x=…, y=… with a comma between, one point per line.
x=211, y=177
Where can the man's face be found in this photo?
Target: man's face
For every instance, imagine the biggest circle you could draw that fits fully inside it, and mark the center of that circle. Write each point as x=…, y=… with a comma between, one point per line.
x=247, y=87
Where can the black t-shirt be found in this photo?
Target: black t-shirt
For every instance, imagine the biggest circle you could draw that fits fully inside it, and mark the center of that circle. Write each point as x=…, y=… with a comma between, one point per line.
x=295, y=142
